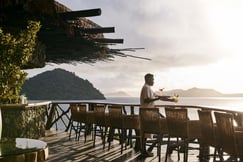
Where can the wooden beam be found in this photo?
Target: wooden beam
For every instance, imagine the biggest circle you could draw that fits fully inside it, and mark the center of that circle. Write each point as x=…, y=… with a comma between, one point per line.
x=82, y=13
x=108, y=40
x=97, y=30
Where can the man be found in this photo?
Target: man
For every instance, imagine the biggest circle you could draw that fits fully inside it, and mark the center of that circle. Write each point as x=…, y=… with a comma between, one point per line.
x=147, y=98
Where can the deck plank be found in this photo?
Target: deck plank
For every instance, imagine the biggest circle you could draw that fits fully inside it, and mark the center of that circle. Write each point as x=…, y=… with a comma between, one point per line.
x=62, y=149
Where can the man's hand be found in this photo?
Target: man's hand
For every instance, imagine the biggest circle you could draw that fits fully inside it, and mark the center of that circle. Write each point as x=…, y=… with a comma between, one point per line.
x=165, y=98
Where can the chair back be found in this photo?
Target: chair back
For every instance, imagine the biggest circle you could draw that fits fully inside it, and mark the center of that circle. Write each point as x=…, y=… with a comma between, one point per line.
x=150, y=120
x=225, y=129
x=207, y=127
x=99, y=115
x=177, y=122
x=78, y=112
x=131, y=122
x=115, y=116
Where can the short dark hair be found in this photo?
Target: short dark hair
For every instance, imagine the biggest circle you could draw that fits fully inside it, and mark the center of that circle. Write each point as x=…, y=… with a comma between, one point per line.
x=147, y=76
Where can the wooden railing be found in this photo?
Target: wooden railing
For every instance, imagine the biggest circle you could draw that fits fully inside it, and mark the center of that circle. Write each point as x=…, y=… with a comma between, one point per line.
x=60, y=111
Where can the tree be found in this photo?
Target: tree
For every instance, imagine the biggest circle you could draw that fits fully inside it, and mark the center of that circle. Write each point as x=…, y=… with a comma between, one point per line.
x=15, y=52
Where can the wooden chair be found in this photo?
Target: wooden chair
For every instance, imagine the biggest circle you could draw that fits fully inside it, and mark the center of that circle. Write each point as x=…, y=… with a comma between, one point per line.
x=177, y=128
x=114, y=122
x=130, y=123
x=151, y=123
x=185, y=131
x=100, y=123
x=78, y=115
x=208, y=132
x=230, y=139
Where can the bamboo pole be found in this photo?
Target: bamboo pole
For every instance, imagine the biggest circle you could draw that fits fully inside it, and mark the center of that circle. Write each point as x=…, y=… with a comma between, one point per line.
x=82, y=13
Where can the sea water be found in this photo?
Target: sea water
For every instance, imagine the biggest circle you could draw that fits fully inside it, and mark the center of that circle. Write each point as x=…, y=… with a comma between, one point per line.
x=229, y=103
x=221, y=102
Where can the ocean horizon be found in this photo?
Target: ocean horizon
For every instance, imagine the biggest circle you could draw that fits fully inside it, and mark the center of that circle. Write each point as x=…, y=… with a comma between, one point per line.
x=219, y=102
x=234, y=103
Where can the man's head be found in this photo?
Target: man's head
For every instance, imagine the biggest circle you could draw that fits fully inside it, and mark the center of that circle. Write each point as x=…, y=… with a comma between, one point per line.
x=149, y=79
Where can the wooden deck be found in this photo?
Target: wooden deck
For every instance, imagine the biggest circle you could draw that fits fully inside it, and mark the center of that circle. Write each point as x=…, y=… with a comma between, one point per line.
x=61, y=149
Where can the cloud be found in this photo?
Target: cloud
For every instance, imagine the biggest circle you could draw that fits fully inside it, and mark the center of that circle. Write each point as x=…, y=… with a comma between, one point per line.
x=176, y=34
x=162, y=27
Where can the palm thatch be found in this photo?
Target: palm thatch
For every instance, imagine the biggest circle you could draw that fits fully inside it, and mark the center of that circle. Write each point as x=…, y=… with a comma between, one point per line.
x=66, y=36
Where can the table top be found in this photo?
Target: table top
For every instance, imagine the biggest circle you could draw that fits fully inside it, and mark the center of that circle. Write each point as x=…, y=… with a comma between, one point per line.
x=31, y=104
x=16, y=146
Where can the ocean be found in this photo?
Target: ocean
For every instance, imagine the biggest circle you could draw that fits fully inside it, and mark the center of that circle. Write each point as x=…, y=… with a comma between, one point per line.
x=232, y=103
x=221, y=102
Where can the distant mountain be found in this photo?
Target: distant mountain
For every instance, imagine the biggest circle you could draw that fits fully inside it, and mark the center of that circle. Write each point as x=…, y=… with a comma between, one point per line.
x=59, y=84
x=117, y=94
x=192, y=92
x=199, y=92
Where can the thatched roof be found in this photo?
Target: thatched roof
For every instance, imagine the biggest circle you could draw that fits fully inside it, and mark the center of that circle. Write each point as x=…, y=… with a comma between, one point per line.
x=66, y=36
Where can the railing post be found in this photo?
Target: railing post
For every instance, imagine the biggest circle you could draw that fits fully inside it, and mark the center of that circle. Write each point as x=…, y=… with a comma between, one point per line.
x=91, y=107
x=50, y=117
x=132, y=110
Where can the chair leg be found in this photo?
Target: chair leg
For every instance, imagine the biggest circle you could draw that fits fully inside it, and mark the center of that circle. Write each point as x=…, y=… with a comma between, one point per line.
x=70, y=130
x=85, y=132
x=221, y=155
x=77, y=131
x=91, y=130
x=214, y=154
x=94, y=138
x=159, y=147
x=129, y=138
x=110, y=136
x=100, y=130
x=177, y=148
x=106, y=129
x=79, y=128
x=185, y=152
x=204, y=151
x=143, y=143
x=138, y=142
x=167, y=149
x=123, y=138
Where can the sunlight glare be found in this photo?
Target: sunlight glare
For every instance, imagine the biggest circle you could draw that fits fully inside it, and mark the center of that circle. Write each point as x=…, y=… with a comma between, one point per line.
x=226, y=20
x=223, y=76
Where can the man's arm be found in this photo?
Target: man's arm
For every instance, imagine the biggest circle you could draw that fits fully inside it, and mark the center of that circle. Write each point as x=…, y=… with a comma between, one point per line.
x=148, y=100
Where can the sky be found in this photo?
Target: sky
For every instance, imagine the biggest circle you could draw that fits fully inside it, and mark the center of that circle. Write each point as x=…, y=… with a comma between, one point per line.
x=190, y=44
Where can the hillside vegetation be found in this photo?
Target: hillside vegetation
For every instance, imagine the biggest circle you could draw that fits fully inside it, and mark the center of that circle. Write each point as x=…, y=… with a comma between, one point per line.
x=59, y=84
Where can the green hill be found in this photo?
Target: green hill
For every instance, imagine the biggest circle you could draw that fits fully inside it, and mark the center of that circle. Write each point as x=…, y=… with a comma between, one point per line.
x=59, y=84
